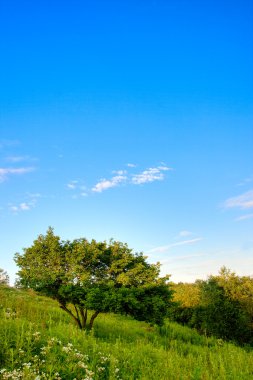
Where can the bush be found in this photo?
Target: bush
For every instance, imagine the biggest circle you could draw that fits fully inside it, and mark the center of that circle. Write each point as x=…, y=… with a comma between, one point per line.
x=181, y=314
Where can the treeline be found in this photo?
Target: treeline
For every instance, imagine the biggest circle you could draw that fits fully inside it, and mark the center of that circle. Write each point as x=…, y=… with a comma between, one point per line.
x=221, y=306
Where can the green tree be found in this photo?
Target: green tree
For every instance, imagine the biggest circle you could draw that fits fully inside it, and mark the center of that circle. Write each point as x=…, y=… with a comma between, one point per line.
x=237, y=288
x=221, y=315
x=187, y=294
x=97, y=276
x=186, y=298
x=4, y=278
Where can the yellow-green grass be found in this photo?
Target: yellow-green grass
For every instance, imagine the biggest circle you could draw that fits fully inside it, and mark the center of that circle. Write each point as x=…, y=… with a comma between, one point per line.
x=39, y=341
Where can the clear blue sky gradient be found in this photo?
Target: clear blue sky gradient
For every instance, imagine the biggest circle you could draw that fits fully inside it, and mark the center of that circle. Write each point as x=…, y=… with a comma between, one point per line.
x=131, y=120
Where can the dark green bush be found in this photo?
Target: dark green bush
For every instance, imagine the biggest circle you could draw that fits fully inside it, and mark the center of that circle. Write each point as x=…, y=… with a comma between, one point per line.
x=217, y=314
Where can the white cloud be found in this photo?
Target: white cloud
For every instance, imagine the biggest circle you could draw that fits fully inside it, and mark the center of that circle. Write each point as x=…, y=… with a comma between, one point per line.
x=27, y=205
x=244, y=217
x=119, y=172
x=243, y=201
x=80, y=189
x=150, y=175
x=184, y=233
x=5, y=172
x=21, y=207
x=165, y=248
x=24, y=206
x=121, y=176
x=71, y=186
x=131, y=165
x=105, y=184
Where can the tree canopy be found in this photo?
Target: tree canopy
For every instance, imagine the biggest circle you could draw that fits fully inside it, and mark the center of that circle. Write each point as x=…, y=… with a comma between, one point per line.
x=87, y=275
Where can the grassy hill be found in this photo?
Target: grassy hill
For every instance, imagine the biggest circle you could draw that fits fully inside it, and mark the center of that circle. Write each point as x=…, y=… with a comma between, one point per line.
x=39, y=341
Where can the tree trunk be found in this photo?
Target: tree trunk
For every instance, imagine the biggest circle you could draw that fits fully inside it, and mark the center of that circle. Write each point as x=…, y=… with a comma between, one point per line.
x=77, y=321
x=83, y=316
x=93, y=318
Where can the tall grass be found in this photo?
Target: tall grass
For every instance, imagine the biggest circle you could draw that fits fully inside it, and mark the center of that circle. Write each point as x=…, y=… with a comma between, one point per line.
x=39, y=341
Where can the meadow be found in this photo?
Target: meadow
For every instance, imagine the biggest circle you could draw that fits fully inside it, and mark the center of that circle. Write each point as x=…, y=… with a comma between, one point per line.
x=39, y=341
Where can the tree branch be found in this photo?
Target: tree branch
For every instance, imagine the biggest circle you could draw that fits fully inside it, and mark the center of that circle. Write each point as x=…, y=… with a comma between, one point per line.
x=83, y=316
x=77, y=321
x=77, y=313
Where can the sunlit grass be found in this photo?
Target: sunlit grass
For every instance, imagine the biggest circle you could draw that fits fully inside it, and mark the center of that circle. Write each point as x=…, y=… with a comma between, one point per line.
x=39, y=341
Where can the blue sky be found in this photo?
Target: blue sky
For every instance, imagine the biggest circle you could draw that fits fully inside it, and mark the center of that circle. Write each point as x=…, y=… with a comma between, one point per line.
x=130, y=120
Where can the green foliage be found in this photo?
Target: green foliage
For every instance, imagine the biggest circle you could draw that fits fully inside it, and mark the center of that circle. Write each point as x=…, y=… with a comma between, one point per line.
x=237, y=288
x=98, y=276
x=223, y=316
x=181, y=314
x=186, y=294
x=224, y=308
x=4, y=278
x=186, y=298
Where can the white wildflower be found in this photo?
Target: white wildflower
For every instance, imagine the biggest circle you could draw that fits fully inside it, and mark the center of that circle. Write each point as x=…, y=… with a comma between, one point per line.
x=82, y=365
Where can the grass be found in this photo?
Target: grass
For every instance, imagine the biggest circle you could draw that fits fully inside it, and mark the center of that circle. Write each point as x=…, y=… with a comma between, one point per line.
x=39, y=341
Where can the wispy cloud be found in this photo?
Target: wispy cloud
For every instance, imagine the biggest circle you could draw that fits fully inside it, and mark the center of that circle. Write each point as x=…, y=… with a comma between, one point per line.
x=6, y=172
x=15, y=159
x=21, y=207
x=72, y=185
x=119, y=172
x=78, y=189
x=150, y=175
x=246, y=181
x=8, y=143
x=121, y=177
x=185, y=233
x=244, y=217
x=243, y=201
x=182, y=258
x=30, y=203
x=105, y=184
x=165, y=248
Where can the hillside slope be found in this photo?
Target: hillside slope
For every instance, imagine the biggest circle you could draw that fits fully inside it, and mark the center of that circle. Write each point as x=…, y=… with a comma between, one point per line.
x=39, y=341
